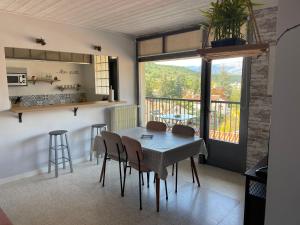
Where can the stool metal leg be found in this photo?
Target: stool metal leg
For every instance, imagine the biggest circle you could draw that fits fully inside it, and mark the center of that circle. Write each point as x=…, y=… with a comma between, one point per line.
x=63, y=151
x=92, y=141
x=69, y=154
x=55, y=152
x=50, y=154
x=97, y=155
x=176, y=176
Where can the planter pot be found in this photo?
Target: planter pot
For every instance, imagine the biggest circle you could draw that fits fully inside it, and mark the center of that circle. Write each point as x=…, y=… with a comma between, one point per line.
x=228, y=42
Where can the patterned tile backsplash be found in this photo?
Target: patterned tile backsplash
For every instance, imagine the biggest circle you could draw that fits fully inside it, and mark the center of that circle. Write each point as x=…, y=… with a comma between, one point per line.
x=31, y=100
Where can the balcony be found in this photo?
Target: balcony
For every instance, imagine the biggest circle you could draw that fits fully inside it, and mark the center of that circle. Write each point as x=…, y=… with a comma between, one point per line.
x=224, y=119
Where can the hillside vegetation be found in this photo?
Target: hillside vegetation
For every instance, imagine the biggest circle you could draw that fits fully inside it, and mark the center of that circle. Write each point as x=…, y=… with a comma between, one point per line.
x=183, y=82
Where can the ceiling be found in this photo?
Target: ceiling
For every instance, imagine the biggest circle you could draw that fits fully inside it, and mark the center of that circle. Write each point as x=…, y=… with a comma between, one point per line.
x=132, y=17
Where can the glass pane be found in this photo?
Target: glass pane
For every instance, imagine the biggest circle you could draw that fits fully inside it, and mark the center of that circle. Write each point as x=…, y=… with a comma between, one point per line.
x=97, y=67
x=224, y=119
x=106, y=74
x=171, y=92
x=105, y=82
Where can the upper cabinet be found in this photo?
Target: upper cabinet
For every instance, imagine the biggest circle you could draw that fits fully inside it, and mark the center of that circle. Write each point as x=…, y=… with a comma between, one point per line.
x=32, y=54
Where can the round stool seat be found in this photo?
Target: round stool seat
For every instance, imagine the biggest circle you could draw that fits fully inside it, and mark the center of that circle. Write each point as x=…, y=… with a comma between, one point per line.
x=99, y=125
x=58, y=132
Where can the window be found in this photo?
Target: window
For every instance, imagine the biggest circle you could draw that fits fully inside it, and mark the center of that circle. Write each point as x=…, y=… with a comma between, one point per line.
x=101, y=75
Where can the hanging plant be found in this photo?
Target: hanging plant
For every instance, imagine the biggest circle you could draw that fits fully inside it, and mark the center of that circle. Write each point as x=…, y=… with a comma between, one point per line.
x=226, y=18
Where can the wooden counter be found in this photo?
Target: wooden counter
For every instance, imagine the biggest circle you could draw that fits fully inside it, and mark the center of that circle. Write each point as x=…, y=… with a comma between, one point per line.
x=74, y=106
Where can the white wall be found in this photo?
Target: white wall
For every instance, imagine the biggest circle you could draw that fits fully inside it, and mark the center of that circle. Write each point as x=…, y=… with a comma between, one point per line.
x=23, y=146
x=283, y=191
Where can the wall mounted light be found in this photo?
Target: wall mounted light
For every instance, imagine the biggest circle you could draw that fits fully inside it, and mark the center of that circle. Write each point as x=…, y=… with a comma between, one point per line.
x=40, y=41
x=98, y=48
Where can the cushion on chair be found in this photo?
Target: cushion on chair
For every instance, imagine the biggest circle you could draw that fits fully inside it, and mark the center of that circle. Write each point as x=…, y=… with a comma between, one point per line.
x=99, y=125
x=58, y=132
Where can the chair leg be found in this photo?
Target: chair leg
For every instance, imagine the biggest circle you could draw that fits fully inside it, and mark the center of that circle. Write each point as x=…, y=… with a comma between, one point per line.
x=192, y=172
x=63, y=151
x=166, y=188
x=50, y=155
x=142, y=178
x=120, y=171
x=148, y=174
x=176, y=176
x=195, y=171
x=154, y=178
x=125, y=167
x=130, y=170
x=140, y=190
x=173, y=170
x=104, y=169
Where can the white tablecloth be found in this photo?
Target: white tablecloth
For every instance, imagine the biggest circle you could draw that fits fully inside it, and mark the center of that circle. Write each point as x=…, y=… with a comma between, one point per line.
x=163, y=149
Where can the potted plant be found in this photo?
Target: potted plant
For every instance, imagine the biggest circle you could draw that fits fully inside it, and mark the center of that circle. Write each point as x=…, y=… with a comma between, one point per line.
x=226, y=18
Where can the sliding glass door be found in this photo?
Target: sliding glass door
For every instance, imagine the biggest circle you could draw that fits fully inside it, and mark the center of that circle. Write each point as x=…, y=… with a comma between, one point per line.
x=209, y=96
x=227, y=113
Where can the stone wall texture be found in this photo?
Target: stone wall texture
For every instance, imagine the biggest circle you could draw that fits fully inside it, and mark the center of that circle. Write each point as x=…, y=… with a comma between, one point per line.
x=260, y=104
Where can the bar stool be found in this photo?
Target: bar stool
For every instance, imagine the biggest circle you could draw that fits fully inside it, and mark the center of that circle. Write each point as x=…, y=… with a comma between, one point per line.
x=54, y=135
x=99, y=127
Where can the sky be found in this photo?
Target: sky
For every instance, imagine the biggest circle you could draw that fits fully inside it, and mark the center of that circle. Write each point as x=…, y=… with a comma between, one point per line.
x=187, y=62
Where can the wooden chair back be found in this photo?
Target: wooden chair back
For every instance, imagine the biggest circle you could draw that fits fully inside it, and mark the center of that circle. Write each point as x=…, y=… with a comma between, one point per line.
x=133, y=149
x=183, y=130
x=156, y=126
x=113, y=143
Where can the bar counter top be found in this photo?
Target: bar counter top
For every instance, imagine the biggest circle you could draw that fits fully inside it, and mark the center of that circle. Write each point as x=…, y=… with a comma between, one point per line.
x=22, y=109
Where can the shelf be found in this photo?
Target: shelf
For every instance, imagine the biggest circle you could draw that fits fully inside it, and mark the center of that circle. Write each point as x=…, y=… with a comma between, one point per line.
x=73, y=106
x=43, y=80
x=62, y=88
x=248, y=50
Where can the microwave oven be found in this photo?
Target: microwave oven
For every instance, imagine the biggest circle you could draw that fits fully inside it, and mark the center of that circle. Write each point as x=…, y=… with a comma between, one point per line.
x=17, y=79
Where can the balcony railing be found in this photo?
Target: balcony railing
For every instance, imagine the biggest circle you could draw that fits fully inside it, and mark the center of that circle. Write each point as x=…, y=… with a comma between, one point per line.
x=224, y=118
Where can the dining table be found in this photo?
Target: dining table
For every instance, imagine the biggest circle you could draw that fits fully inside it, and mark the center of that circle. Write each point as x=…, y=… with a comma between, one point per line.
x=160, y=150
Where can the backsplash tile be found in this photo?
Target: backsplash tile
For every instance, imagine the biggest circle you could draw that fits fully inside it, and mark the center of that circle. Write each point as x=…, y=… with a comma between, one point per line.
x=32, y=100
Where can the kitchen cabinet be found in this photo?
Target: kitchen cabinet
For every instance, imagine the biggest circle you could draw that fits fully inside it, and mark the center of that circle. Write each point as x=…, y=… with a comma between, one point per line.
x=38, y=54
x=33, y=54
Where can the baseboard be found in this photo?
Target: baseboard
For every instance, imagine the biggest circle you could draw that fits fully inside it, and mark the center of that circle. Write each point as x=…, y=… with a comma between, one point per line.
x=34, y=172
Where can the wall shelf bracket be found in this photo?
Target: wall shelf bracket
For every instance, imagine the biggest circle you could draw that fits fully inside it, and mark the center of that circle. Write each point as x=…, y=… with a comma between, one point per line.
x=75, y=111
x=20, y=117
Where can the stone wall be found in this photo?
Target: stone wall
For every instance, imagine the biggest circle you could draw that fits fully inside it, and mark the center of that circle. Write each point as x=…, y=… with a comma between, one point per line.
x=260, y=104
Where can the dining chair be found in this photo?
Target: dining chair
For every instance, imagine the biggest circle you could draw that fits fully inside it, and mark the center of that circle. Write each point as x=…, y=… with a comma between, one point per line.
x=136, y=161
x=156, y=126
x=186, y=131
x=114, y=150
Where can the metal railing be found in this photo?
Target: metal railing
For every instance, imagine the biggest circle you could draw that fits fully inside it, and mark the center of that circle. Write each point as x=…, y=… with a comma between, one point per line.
x=224, y=121
x=224, y=118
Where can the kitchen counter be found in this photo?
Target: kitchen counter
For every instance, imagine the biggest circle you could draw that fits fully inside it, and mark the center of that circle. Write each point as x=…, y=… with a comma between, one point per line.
x=74, y=106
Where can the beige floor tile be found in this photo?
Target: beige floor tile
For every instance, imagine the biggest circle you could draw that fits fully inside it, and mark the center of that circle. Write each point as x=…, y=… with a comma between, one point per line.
x=79, y=199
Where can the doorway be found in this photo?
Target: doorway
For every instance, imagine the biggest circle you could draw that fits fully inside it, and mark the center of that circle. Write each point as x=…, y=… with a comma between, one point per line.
x=209, y=96
x=227, y=113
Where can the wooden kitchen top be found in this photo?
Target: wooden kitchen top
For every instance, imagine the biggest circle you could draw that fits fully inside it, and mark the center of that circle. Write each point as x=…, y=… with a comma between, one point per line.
x=23, y=109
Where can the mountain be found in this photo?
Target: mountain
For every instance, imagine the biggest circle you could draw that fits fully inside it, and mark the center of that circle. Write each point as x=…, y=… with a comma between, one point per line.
x=233, y=69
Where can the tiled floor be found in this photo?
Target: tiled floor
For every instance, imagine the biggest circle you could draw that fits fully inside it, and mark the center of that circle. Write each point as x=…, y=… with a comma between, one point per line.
x=78, y=199
x=3, y=218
